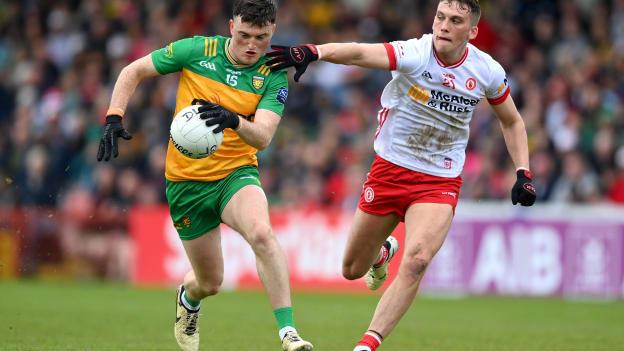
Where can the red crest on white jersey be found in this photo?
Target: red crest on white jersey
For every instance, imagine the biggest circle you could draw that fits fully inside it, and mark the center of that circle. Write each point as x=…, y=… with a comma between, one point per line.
x=471, y=83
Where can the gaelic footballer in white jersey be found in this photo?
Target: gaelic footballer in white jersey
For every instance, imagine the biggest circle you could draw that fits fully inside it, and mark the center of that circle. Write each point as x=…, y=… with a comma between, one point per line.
x=428, y=105
x=420, y=145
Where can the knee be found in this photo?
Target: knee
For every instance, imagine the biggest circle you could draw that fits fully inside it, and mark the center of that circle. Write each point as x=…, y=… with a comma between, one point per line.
x=351, y=271
x=351, y=274
x=413, y=267
x=209, y=288
x=261, y=237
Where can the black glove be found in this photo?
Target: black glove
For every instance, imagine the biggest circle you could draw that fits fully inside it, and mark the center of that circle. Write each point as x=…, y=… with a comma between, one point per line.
x=215, y=114
x=292, y=56
x=112, y=130
x=523, y=191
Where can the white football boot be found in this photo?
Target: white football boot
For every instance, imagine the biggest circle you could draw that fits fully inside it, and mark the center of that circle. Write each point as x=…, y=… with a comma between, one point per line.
x=376, y=276
x=186, y=328
x=293, y=342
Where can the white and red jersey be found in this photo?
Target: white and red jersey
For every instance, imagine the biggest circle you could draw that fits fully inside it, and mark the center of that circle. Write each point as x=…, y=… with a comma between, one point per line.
x=427, y=106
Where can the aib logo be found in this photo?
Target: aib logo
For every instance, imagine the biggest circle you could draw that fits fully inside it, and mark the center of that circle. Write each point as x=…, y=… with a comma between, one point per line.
x=297, y=54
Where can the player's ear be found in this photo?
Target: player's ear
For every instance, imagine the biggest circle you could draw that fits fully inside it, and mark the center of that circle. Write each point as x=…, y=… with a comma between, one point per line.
x=474, y=31
x=272, y=28
x=231, y=27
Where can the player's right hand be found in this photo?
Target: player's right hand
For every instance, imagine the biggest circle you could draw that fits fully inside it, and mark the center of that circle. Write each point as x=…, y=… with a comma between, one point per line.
x=108, y=144
x=292, y=56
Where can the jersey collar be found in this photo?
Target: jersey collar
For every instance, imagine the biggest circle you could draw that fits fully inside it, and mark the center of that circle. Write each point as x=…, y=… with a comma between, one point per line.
x=450, y=65
x=231, y=58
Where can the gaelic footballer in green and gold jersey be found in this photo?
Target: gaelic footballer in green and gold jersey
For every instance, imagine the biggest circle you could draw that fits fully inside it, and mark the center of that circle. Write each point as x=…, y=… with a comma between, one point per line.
x=245, y=99
x=210, y=73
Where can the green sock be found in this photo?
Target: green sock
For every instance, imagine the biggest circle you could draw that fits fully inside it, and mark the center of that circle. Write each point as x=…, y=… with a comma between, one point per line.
x=188, y=300
x=284, y=317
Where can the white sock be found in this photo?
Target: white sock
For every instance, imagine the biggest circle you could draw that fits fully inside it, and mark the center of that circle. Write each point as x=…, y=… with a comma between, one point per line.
x=283, y=331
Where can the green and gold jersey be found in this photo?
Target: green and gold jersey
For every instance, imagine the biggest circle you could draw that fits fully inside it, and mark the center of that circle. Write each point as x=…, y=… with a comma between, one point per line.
x=208, y=72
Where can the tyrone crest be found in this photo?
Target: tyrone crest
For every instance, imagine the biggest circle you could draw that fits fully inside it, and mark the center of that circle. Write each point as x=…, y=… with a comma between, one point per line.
x=257, y=82
x=369, y=194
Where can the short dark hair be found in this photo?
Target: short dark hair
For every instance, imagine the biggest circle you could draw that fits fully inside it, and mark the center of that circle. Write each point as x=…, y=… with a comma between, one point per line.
x=472, y=5
x=257, y=12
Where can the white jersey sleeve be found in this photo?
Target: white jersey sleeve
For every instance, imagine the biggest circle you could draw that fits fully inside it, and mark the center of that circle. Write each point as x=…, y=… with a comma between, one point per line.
x=410, y=56
x=498, y=88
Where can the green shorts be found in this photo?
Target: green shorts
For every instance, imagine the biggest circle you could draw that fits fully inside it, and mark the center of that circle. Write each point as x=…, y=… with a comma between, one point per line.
x=196, y=206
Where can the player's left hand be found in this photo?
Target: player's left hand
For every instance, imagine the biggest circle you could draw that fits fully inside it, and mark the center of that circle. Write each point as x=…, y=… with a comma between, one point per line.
x=216, y=114
x=523, y=191
x=292, y=56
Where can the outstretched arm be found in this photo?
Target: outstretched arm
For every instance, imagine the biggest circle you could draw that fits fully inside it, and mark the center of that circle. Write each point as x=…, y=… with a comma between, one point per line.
x=363, y=55
x=127, y=82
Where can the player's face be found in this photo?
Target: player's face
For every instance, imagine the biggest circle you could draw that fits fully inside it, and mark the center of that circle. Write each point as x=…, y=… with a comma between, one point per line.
x=249, y=42
x=452, y=28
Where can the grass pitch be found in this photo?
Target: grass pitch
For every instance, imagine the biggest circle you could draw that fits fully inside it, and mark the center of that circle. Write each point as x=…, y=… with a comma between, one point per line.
x=91, y=316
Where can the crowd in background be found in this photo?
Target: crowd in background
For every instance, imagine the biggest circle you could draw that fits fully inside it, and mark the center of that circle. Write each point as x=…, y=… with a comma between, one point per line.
x=59, y=61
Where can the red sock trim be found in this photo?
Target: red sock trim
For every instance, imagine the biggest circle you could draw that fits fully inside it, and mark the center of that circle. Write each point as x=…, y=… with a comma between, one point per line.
x=375, y=334
x=370, y=340
x=384, y=256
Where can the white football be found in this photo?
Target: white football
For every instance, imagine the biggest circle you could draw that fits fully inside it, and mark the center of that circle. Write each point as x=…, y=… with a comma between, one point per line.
x=190, y=135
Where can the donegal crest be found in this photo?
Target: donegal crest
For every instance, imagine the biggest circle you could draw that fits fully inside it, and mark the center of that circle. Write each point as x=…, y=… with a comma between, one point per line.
x=184, y=222
x=257, y=82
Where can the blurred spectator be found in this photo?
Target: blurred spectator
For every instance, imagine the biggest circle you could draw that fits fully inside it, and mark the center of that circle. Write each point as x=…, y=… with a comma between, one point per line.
x=576, y=183
x=616, y=186
x=36, y=183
